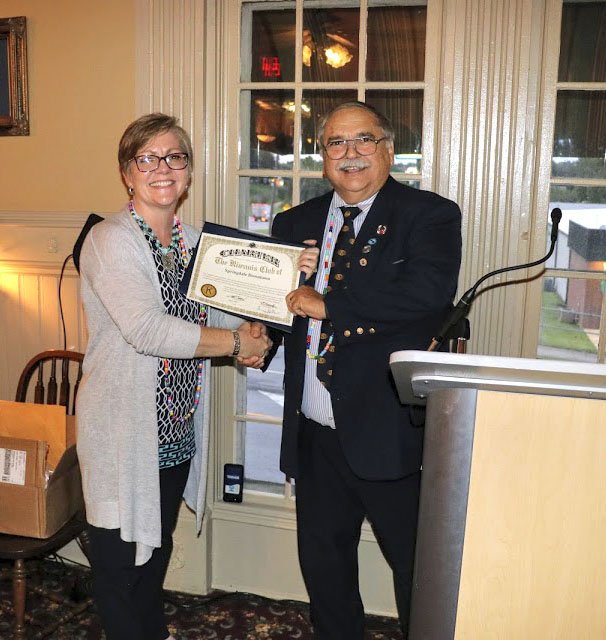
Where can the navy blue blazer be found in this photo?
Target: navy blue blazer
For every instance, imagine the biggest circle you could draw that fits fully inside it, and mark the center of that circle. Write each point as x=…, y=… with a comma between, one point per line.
x=399, y=290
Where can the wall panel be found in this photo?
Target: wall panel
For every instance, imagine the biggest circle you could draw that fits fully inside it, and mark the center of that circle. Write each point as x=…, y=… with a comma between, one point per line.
x=33, y=247
x=81, y=79
x=487, y=147
x=171, y=78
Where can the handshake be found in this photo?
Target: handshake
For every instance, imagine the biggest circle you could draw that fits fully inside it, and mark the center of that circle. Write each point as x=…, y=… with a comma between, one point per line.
x=251, y=344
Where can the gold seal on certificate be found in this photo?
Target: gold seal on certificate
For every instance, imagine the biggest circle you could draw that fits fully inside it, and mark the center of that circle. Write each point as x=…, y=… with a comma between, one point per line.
x=245, y=274
x=208, y=290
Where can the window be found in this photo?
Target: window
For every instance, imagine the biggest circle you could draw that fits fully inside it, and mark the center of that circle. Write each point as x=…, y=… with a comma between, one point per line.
x=298, y=60
x=573, y=313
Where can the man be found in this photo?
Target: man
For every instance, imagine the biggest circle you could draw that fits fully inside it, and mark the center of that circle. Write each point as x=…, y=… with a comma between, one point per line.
x=347, y=440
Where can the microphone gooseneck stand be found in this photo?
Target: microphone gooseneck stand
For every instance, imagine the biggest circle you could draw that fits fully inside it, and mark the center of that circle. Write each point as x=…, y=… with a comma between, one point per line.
x=462, y=307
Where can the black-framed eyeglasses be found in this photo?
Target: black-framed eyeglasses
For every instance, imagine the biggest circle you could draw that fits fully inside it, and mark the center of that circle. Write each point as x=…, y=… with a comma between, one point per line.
x=176, y=161
x=364, y=145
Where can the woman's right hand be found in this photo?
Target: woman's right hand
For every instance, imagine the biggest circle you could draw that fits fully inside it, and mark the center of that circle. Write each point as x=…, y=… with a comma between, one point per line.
x=254, y=343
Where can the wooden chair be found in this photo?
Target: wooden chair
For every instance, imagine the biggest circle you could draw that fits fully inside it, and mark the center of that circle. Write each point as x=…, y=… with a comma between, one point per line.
x=39, y=383
x=63, y=361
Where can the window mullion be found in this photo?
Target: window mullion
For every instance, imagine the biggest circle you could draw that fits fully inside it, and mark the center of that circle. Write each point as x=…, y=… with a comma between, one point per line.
x=579, y=182
x=602, y=334
x=581, y=86
x=363, y=49
x=296, y=188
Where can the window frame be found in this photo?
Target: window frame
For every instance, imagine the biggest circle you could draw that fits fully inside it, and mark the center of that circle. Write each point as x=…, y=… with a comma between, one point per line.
x=235, y=445
x=552, y=88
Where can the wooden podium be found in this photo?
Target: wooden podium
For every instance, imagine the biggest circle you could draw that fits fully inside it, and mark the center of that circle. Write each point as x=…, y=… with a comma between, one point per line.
x=512, y=520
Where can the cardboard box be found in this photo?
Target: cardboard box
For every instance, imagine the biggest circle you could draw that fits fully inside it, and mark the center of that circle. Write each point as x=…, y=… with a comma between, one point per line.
x=40, y=486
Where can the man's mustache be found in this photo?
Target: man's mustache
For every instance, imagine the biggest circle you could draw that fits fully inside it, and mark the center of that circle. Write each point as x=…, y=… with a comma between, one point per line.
x=353, y=163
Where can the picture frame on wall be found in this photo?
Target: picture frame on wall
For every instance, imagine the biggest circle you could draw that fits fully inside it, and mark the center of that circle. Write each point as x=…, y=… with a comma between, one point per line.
x=14, y=108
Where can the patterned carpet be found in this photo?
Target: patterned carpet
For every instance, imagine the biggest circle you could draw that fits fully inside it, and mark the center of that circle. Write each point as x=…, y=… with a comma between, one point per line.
x=216, y=616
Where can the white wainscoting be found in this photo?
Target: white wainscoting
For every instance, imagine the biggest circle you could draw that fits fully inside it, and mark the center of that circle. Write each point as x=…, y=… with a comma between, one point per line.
x=33, y=247
x=255, y=550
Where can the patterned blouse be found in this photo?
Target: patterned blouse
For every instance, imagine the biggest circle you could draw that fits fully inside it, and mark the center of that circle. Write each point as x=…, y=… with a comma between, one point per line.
x=176, y=383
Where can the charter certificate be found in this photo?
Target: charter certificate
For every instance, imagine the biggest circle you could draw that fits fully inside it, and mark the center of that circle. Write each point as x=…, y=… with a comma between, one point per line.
x=245, y=274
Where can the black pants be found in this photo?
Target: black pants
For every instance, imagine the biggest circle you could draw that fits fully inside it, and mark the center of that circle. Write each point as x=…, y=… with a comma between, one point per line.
x=331, y=505
x=129, y=598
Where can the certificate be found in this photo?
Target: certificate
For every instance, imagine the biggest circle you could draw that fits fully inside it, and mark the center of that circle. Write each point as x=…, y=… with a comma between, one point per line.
x=245, y=274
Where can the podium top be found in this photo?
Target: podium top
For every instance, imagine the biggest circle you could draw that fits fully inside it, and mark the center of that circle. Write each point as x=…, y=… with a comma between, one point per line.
x=418, y=373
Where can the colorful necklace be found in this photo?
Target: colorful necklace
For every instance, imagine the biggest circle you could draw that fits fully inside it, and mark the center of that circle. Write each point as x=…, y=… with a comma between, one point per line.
x=174, y=248
x=326, y=265
x=177, y=245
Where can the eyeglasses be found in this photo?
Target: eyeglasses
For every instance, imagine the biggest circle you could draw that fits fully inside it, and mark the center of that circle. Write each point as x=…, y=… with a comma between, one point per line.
x=364, y=145
x=176, y=161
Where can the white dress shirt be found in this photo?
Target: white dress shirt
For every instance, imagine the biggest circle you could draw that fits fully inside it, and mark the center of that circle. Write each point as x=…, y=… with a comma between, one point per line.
x=316, y=404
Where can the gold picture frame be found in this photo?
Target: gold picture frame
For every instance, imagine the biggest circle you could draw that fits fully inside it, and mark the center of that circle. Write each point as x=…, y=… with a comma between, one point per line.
x=14, y=108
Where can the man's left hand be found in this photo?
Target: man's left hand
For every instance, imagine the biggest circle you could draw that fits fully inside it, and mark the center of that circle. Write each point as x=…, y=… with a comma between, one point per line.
x=308, y=260
x=307, y=303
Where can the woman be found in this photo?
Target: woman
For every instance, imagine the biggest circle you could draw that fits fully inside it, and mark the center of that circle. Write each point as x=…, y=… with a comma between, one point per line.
x=143, y=409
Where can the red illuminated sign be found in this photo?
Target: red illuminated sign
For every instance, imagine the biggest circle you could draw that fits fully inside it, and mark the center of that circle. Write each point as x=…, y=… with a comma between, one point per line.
x=270, y=67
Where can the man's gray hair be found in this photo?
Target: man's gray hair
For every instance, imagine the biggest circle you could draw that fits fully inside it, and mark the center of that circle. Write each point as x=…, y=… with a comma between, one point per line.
x=382, y=121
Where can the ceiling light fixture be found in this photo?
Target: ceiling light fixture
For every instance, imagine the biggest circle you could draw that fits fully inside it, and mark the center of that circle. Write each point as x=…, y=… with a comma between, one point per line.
x=337, y=56
x=265, y=138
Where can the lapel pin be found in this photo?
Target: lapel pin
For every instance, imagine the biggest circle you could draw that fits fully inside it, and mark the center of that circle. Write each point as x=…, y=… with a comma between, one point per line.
x=372, y=241
x=381, y=229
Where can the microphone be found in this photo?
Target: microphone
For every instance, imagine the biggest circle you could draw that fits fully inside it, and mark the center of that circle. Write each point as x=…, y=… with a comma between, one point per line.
x=556, y=216
x=462, y=308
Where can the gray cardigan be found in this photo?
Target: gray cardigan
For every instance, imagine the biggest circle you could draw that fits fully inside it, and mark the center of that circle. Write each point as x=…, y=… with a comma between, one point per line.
x=128, y=330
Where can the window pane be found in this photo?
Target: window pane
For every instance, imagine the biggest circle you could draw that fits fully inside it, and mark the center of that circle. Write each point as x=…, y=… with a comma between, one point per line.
x=396, y=44
x=579, y=148
x=581, y=196
x=405, y=111
x=581, y=244
x=415, y=184
x=261, y=199
x=583, y=42
x=272, y=54
x=262, y=440
x=262, y=456
x=312, y=187
x=316, y=104
x=270, y=129
x=407, y=163
x=265, y=395
x=570, y=317
x=330, y=45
